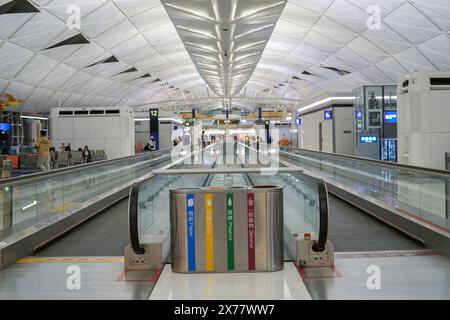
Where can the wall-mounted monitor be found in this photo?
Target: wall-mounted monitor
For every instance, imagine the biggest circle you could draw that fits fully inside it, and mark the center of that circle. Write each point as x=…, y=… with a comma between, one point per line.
x=390, y=116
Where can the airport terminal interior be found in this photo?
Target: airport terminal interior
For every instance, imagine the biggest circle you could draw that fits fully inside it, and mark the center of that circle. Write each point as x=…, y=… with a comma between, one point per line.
x=225, y=149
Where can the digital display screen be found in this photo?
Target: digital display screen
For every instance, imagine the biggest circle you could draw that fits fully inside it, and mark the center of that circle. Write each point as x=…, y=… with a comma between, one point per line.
x=328, y=114
x=368, y=139
x=390, y=117
x=5, y=127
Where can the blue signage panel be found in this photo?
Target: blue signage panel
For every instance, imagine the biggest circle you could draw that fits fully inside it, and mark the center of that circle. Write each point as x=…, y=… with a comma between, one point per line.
x=298, y=121
x=368, y=139
x=328, y=114
x=5, y=127
x=154, y=127
x=390, y=117
x=359, y=115
x=190, y=199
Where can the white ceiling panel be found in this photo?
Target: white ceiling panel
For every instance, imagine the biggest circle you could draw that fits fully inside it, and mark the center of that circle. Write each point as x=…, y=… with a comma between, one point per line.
x=58, y=76
x=349, y=15
x=37, y=99
x=11, y=23
x=181, y=44
x=38, y=32
x=437, y=50
x=18, y=89
x=413, y=61
x=409, y=22
x=36, y=70
x=13, y=58
x=437, y=10
x=60, y=8
x=387, y=39
x=392, y=68
x=110, y=38
x=101, y=20
x=367, y=49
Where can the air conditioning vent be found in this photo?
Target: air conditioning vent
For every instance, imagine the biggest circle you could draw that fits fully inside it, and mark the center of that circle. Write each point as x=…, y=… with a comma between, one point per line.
x=112, y=111
x=66, y=113
x=97, y=112
x=81, y=112
x=440, y=81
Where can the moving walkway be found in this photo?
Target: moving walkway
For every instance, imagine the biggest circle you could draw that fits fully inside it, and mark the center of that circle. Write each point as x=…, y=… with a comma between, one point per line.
x=40, y=207
x=107, y=232
x=413, y=200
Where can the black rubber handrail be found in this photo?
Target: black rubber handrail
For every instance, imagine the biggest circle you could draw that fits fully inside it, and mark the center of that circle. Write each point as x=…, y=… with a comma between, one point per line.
x=378, y=163
x=321, y=244
x=133, y=209
x=133, y=220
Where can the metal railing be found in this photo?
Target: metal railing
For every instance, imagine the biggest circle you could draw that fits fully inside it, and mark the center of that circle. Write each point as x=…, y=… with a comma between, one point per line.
x=386, y=164
x=72, y=169
x=411, y=199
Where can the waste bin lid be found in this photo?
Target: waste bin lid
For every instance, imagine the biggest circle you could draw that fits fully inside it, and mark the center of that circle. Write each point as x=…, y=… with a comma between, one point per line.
x=266, y=188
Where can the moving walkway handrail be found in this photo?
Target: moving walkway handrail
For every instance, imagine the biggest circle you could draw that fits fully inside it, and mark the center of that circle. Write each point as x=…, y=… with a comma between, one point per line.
x=83, y=167
x=321, y=244
x=375, y=162
x=133, y=219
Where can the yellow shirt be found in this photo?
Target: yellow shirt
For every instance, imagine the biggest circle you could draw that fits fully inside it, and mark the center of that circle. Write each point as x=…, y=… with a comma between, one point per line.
x=284, y=142
x=44, y=146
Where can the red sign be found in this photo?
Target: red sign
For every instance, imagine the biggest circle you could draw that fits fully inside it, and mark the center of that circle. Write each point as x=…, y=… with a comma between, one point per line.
x=251, y=230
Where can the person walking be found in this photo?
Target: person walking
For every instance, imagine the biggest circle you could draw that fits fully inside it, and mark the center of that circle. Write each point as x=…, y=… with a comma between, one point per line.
x=44, y=145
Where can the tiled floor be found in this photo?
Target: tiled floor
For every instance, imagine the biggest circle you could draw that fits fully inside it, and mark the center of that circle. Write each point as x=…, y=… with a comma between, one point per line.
x=100, y=278
x=285, y=284
x=404, y=275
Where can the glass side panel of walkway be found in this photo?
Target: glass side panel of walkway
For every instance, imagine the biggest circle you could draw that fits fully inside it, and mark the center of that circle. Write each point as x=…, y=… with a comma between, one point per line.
x=418, y=192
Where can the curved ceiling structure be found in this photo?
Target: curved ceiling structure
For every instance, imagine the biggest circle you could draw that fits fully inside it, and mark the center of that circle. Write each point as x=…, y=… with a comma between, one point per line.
x=135, y=52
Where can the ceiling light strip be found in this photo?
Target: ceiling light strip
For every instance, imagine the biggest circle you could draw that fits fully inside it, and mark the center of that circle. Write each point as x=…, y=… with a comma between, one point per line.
x=318, y=103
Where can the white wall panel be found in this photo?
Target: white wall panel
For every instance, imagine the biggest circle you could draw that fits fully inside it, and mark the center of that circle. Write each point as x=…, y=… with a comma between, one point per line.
x=97, y=128
x=106, y=132
x=66, y=129
x=81, y=128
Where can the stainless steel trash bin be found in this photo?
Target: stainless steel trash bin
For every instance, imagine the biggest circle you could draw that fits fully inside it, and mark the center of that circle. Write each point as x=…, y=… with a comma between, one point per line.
x=227, y=230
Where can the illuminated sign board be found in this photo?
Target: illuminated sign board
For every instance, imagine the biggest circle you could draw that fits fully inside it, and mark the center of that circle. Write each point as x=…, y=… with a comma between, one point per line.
x=154, y=127
x=328, y=114
x=368, y=139
x=390, y=117
x=359, y=115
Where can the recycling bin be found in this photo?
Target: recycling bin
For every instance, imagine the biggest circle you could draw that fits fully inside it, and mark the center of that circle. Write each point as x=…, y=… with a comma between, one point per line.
x=220, y=230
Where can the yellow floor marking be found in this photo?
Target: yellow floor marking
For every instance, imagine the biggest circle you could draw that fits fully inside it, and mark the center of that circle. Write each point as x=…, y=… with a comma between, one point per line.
x=65, y=206
x=30, y=260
